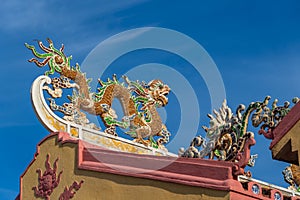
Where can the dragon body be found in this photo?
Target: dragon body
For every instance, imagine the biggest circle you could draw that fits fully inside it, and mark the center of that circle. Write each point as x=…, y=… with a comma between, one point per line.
x=139, y=100
x=227, y=137
x=227, y=133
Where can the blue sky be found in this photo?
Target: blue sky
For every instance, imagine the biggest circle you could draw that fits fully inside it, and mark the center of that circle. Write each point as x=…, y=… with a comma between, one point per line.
x=255, y=45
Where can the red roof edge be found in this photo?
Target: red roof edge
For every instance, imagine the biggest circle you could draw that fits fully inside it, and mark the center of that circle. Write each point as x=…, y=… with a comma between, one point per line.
x=194, y=172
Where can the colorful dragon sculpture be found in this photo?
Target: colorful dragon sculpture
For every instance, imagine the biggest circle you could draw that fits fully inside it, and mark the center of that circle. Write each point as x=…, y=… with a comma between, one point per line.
x=292, y=176
x=227, y=136
x=139, y=100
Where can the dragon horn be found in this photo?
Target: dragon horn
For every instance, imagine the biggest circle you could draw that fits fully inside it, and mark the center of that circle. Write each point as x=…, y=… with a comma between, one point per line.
x=266, y=101
x=49, y=41
x=62, y=48
x=126, y=79
x=205, y=128
x=38, y=63
x=114, y=77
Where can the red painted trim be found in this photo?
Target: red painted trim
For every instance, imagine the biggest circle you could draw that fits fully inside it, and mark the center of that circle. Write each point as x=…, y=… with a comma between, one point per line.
x=286, y=124
x=64, y=137
x=243, y=157
x=194, y=172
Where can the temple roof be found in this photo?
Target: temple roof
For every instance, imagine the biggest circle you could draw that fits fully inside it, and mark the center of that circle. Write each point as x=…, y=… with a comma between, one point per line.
x=88, y=165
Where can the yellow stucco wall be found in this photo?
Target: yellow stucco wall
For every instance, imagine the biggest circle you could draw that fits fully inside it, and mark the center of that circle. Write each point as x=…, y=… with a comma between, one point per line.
x=104, y=185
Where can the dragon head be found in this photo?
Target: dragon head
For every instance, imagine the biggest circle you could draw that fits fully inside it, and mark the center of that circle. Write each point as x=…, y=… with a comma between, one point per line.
x=158, y=92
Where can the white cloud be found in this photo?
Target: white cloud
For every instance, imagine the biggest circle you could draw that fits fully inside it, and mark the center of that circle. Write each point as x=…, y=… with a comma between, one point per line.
x=125, y=37
x=80, y=26
x=20, y=14
x=17, y=15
